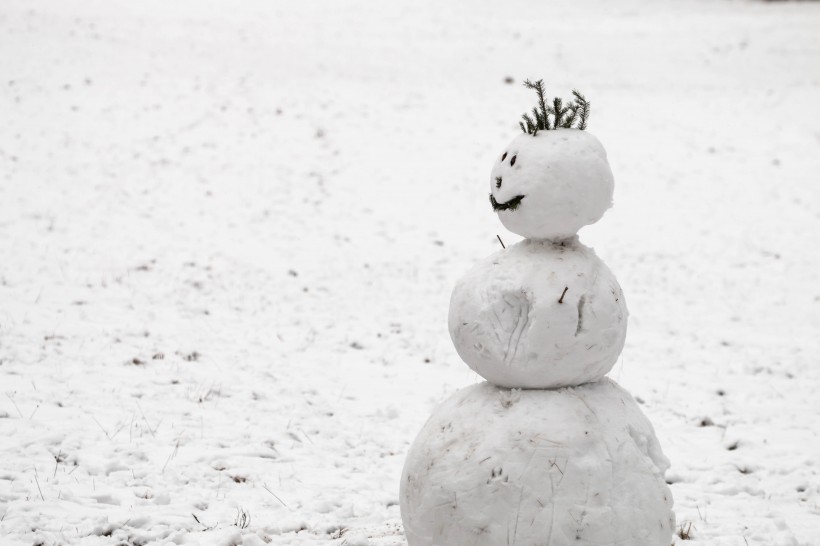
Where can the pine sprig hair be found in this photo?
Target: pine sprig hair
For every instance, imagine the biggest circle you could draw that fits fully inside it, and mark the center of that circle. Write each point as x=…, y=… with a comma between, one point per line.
x=563, y=116
x=582, y=108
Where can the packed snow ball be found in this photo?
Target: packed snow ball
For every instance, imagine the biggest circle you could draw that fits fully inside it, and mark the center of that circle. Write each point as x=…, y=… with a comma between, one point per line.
x=578, y=466
x=539, y=314
x=550, y=185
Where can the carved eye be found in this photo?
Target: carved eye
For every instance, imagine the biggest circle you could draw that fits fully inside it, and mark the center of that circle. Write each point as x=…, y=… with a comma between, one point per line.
x=503, y=157
x=497, y=181
x=512, y=161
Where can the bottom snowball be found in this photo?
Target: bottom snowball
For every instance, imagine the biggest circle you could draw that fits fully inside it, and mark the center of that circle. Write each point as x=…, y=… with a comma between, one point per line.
x=579, y=465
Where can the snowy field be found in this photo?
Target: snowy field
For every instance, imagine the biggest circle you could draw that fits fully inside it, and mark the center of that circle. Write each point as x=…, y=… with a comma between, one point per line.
x=229, y=232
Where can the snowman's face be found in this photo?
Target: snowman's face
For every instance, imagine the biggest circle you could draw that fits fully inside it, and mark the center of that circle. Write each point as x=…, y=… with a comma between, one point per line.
x=550, y=185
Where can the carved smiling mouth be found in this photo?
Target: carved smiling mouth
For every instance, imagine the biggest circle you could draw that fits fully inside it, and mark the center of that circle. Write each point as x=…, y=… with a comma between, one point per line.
x=512, y=204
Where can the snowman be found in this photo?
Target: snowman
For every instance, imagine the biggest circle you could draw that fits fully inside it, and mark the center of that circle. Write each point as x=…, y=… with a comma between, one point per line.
x=548, y=451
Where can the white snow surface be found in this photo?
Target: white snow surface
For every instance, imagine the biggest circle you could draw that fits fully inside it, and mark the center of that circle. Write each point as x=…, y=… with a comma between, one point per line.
x=579, y=465
x=230, y=231
x=562, y=178
x=539, y=315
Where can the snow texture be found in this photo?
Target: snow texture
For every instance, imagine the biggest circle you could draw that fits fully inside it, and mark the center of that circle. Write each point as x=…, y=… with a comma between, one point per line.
x=570, y=466
x=562, y=179
x=539, y=314
x=274, y=199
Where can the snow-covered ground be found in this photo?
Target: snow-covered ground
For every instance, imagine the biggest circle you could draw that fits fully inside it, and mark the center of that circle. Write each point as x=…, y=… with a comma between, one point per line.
x=229, y=232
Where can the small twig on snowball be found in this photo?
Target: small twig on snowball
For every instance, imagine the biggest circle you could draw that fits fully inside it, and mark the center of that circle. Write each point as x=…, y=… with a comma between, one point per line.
x=561, y=299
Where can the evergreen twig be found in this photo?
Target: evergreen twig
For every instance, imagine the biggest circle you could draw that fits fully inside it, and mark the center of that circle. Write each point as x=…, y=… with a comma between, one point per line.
x=557, y=111
x=563, y=116
x=573, y=115
x=540, y=111
x=532, y=127
x=539, y=118
x=584, y=109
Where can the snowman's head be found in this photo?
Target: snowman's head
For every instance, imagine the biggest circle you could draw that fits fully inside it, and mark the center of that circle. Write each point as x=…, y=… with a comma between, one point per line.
x=551, y=184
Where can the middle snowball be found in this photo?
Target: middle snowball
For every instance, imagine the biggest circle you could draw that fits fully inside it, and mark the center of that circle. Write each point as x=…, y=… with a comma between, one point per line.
x=539, y=315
